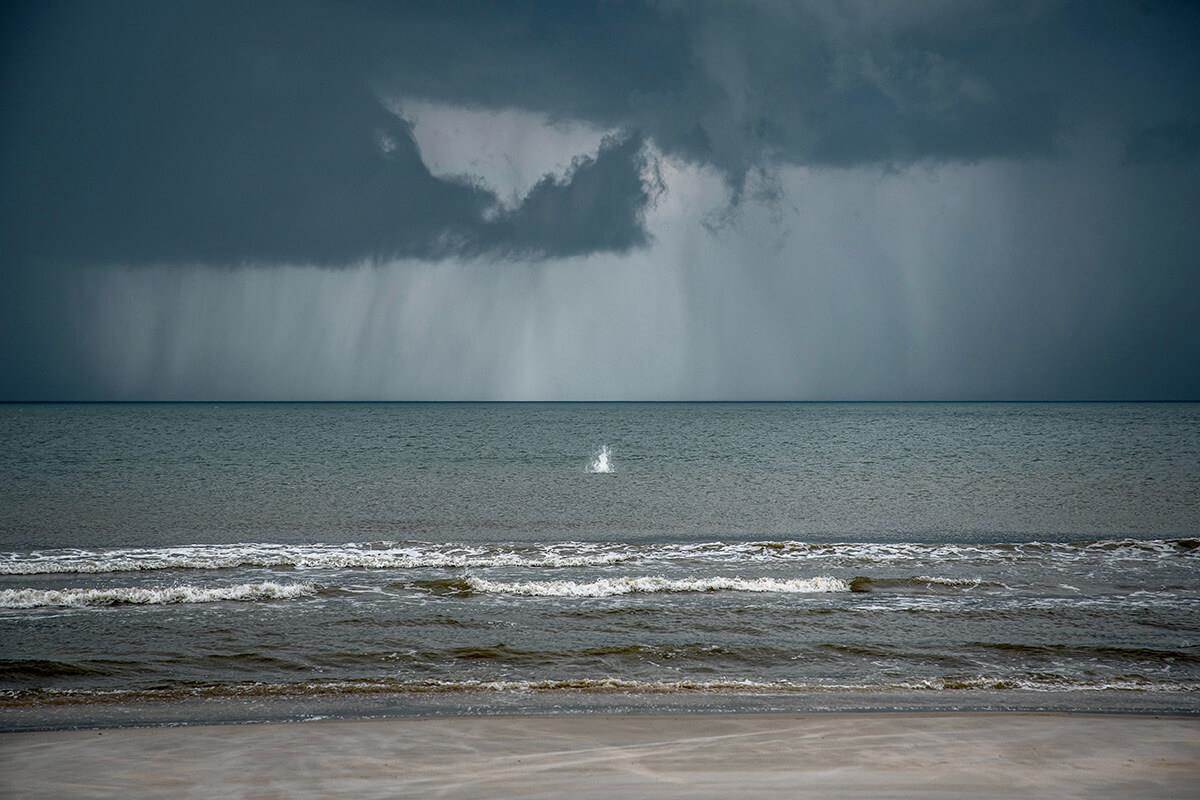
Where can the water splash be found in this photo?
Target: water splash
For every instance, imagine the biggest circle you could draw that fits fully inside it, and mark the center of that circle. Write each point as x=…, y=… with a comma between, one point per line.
x=601, y=462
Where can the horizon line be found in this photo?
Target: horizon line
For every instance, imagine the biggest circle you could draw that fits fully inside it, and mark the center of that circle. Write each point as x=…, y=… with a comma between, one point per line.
x=1027, y=401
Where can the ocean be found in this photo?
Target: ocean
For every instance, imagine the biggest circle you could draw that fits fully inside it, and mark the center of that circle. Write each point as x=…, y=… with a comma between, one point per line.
x=196, y=561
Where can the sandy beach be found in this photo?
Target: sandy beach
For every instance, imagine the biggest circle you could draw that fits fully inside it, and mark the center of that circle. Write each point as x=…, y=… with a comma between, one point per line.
x=600, y=756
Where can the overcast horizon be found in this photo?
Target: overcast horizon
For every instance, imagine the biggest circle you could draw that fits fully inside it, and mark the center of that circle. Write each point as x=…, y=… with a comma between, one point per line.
x=827, y=201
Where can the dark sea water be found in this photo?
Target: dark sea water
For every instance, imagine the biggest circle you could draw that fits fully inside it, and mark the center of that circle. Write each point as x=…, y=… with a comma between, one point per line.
x=227, y=561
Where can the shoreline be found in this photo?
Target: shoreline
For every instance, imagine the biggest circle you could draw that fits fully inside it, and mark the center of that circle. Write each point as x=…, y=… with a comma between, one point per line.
x=202, y=711
x=830, y=754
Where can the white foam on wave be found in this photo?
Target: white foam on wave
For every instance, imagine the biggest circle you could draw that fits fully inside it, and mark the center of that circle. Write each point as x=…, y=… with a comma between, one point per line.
x=884, y=552
x=609, y=587
x=318, y=556
x=135, y=595
x=749, y=686
x=601, y=462
x=937, y=580
x=951, y=604
x=450, y=555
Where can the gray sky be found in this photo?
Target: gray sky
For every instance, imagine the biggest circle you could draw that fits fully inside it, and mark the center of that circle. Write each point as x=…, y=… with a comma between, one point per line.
x=663, y=200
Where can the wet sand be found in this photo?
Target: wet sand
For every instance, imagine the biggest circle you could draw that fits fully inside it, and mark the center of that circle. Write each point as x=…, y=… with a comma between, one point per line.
x=600, y=756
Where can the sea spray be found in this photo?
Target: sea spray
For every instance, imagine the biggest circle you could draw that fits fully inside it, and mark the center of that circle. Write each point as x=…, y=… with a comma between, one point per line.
x=601, y=462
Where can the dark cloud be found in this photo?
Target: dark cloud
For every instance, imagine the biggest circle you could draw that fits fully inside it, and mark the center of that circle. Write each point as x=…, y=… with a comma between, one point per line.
x=1168, y=142
x=995, y=199
x=209, y=133
x=741, y=85
x=614, y=187
x=228, y=133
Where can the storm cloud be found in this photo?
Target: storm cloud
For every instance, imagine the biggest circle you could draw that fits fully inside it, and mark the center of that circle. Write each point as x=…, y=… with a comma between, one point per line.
x=230, y=133
x=233, y=133
x=958, y=199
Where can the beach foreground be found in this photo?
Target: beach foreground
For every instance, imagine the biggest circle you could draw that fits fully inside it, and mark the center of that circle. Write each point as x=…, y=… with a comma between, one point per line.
x=822, y=755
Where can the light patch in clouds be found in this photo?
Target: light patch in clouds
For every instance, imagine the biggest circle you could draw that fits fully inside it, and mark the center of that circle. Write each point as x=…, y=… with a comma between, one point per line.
x=508, y=150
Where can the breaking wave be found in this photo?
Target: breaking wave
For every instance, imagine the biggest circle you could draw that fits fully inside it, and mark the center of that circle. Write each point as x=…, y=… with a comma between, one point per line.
x=130, y=595
x=1100, y=550
x=429, y=555
x=316, y=556
x=609, y=587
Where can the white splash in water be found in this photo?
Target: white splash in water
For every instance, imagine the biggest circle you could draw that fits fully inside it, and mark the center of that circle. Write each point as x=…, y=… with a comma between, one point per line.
x=600, y=462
